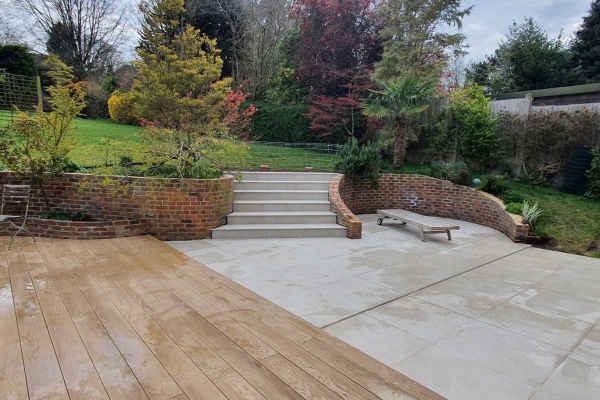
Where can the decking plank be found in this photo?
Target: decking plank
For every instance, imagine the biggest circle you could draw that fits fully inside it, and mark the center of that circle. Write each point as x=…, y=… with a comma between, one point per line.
x=44, y=378
x=77, y=369
x=13, y=385
x=145, y=321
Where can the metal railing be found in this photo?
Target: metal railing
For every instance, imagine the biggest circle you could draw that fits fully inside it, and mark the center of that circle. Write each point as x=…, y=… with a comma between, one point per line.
x=281, y=156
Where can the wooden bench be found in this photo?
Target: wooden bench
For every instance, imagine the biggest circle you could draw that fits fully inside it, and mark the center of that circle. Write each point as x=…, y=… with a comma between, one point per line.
x=427, y=225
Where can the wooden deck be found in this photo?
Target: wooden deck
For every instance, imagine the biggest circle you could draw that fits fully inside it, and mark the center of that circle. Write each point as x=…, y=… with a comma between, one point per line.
x=135, y=319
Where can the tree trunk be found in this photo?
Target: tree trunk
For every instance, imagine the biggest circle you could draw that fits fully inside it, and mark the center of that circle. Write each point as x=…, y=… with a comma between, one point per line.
x=400, y=145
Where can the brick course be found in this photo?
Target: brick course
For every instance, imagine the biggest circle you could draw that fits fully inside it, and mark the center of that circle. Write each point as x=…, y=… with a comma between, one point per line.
x=424, y=195
x=170, y=209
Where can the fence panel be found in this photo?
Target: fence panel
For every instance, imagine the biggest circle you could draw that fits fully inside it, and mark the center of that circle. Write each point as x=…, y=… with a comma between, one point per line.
x=18, y=92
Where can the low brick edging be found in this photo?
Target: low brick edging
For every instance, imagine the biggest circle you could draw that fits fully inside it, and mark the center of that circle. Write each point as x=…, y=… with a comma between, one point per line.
x=345, y=217
x=428, y=196
x=60, y=229
x=170, y=209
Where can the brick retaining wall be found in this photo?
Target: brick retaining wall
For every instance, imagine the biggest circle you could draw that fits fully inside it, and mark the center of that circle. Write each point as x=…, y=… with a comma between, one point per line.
x=345, y=217
x=428, y=196
x=170, y=209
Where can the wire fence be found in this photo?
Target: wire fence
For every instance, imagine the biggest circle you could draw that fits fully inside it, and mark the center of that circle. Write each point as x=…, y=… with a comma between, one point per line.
x=281, y=156
x=18, y=92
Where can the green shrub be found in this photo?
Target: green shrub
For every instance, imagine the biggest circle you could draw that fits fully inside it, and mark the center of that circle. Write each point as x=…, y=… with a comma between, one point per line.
x=495, y=186
x=515, y=208
x=362, y=161
x=96, y=99
x=531, y=213
x=281, y=123
x=510, y=196
x=121, y=107
x=593, y=177
x=474, y=128
x=455, y=172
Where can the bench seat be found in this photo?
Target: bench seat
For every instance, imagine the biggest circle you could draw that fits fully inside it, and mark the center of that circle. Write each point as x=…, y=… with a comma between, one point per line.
x=426, y=225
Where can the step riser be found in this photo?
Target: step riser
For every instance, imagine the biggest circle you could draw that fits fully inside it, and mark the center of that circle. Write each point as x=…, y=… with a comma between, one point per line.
x=282, y=219
x=266, y=185
x=277, y=176
x=237, y=207
x=273, y=234
x=281, y=196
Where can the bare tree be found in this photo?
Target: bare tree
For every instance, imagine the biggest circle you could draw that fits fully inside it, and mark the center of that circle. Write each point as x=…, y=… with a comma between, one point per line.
x=83, y=33
x=255, y=28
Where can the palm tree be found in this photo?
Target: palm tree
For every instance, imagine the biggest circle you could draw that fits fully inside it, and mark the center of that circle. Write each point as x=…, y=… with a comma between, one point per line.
x=395, y=102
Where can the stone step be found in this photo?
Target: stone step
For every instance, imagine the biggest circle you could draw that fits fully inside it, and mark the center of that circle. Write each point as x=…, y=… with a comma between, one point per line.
x=287, y=176
x=287, y=217
x=281, y=194
x=251, y=231
x=280, y=205
x=282, y=185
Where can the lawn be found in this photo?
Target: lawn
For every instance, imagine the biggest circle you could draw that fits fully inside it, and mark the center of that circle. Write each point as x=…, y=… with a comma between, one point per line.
x=569, y=223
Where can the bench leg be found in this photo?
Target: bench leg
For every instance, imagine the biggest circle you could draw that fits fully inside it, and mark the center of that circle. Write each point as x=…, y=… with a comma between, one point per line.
x=449, y=235
x=422, y=235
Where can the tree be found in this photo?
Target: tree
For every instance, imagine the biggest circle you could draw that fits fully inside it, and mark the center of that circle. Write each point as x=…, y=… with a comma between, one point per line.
x=186, y=107
x=85, y=34
x=161, y=22
x=338, y=38
x=586, y=45
x=526, y=60
x=396, y=101
x=417, y=36
x=17, y=60
x=250, y=30
x=334, y=57
x=10, y=32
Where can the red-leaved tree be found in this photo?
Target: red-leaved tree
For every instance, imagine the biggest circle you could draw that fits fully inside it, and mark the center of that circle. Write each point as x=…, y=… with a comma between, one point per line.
x=338, y=46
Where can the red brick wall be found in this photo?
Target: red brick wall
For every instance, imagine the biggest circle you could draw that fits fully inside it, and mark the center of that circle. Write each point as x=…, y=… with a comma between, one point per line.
x=429, y=196
x=79, y=229
x=170, y=209
x=345, y=216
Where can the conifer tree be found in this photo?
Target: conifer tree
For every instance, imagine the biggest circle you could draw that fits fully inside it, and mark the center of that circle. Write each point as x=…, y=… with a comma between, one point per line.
x=586, y=46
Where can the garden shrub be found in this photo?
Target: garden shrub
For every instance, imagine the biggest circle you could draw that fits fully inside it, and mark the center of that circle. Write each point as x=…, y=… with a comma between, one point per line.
x=96, y=101
x=121, y=107
x=495, y=186
x=361, y=161
x=281, y=123
x=36, y=146
x=593, y=176
x=510, y=196
x=515, y=208
x=474, y=128
x=531, y=213
x=541, y=143
x=458, y=172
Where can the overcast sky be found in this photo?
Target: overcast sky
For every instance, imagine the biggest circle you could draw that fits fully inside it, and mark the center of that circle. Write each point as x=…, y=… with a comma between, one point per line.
x=490, y=19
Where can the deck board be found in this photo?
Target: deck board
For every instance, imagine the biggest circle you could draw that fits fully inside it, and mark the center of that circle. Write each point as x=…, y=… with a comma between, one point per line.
x=135, y=319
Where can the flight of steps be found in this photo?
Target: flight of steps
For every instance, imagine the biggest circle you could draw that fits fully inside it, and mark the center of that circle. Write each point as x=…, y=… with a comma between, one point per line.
x=281, y=205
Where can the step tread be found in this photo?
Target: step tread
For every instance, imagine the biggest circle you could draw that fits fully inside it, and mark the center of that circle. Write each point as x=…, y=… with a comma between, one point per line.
x=288, y=181
x=252, y=227
x=278, y=191
x=280, y=213
x=281, y=201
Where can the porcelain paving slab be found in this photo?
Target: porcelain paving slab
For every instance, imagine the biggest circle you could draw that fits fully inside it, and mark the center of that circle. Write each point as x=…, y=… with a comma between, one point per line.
x=460, y=378
x=479, y=317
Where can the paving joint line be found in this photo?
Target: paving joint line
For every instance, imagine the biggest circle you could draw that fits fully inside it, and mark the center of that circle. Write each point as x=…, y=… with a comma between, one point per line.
x=417, y=290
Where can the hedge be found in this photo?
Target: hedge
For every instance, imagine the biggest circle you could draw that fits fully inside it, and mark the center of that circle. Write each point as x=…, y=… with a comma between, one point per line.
x=281, y=123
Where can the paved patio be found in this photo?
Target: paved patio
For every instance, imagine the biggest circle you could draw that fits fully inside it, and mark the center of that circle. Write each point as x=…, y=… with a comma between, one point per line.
x=476, y=318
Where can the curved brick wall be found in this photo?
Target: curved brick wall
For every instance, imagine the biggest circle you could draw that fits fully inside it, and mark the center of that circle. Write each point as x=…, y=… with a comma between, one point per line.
x=170, y=209
x=338, y=206
x=428, y=196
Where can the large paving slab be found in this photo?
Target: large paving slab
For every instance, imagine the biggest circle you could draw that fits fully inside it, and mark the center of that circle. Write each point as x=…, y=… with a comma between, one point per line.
x=478, y=317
